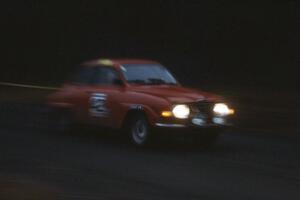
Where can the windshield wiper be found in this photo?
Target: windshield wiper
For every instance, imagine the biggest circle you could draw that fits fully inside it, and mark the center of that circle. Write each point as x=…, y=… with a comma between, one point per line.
x=158, y=81
x=151, y=81
x=137, y=81
x=171, y=83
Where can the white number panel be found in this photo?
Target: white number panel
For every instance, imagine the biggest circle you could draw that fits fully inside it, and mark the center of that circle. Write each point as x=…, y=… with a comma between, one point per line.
x=98, y=105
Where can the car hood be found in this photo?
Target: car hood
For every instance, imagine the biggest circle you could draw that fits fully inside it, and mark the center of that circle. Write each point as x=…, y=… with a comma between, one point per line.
x=176, y=94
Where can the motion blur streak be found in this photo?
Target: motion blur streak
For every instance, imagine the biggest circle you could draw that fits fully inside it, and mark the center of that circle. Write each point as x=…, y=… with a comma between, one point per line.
x=27, y=86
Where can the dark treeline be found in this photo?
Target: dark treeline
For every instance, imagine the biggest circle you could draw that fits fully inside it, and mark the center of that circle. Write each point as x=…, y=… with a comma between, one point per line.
x=235, y=43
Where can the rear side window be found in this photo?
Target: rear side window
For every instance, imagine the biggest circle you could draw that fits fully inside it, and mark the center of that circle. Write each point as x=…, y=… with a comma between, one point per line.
x=83, y=76
x=105, y=76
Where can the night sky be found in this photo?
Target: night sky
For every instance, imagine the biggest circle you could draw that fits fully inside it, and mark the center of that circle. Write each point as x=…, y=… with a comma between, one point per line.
x=237, y=43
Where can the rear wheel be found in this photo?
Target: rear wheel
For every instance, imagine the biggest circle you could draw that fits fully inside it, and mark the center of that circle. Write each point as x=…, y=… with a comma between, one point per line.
x=138, y=130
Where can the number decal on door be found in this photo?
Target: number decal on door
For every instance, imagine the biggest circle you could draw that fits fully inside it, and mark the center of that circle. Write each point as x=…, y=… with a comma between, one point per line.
x=98, y=105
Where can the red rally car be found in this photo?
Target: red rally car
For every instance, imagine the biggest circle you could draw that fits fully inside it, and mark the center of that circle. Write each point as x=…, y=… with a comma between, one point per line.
x=140, y=97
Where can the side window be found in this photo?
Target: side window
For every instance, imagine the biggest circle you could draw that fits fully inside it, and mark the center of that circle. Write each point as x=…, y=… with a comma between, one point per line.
x=106, y=76
x=83, y=76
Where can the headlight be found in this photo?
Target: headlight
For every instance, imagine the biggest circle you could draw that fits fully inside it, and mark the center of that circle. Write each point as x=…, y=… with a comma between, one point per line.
x=222, y=109
x=181, y=111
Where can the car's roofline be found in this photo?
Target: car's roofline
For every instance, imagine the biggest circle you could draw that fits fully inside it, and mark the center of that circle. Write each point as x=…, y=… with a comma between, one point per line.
x=116, y=62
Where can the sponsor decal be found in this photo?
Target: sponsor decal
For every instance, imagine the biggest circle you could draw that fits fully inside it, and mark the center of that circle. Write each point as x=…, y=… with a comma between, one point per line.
x=98, y=105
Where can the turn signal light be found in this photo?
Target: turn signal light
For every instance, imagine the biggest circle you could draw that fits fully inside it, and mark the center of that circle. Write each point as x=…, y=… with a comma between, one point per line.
x=166, y=113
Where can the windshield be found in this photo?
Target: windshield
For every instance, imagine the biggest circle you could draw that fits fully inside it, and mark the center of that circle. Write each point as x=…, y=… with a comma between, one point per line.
x=147, y=74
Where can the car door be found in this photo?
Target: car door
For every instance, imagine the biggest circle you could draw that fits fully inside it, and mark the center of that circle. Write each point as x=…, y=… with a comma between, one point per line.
x=103, y=100
x=78, y=92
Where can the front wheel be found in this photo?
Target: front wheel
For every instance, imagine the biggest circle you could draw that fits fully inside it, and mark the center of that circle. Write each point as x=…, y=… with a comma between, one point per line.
x=138, y=130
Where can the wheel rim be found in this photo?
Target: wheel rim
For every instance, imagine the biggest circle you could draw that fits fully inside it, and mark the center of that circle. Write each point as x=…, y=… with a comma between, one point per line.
x=139, y=132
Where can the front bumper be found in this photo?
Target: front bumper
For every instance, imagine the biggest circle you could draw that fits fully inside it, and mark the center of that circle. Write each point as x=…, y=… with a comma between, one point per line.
x=196, y=122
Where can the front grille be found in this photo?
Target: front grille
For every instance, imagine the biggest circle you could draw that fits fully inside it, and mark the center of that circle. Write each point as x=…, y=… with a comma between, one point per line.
x=204, y=108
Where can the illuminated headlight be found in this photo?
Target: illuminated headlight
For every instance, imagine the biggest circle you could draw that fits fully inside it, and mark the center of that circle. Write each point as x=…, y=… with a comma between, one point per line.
x=181, y=111
x=222, y=109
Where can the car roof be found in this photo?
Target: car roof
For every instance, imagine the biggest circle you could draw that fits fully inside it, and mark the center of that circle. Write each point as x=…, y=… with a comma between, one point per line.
x=116, y=62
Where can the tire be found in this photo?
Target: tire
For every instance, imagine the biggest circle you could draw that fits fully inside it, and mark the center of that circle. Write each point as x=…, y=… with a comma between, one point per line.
x=138, y=130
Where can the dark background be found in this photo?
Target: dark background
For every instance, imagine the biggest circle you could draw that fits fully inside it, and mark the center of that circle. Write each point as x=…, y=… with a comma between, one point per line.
x=251, y=44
